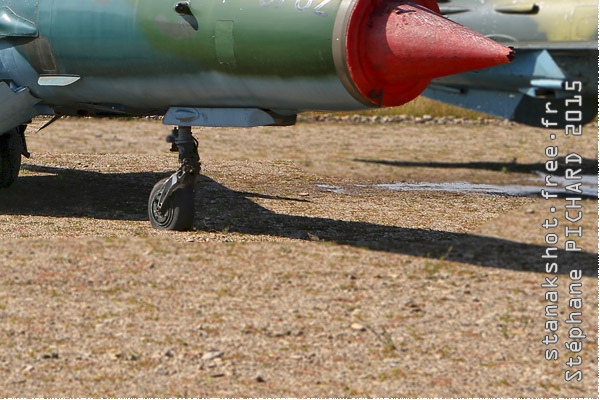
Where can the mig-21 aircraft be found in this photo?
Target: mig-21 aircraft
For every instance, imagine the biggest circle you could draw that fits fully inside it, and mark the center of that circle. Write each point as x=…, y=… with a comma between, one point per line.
x=219, y=63
x=556, y=43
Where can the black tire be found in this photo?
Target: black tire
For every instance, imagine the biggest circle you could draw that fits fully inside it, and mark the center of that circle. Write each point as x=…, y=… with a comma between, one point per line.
x=11, y=147
x=179, y=215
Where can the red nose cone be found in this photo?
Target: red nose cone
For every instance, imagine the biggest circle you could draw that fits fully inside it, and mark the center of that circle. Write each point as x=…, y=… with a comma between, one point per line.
x=395, y=48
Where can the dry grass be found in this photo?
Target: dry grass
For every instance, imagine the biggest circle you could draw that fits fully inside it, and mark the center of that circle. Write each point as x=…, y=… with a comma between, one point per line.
x=282, y=288
x=423, y=106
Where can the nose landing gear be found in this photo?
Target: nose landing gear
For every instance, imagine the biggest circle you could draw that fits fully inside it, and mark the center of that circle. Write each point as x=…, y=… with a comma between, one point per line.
x=12, y=147
x=171, y=202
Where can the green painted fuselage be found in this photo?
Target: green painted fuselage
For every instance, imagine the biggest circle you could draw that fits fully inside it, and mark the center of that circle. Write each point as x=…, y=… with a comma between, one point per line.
x=142, y=56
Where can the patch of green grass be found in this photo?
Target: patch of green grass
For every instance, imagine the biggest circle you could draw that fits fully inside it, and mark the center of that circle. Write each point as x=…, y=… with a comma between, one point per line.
x=506, y=319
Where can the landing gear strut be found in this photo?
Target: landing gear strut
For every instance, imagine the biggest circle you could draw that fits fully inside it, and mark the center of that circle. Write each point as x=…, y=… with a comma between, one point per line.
x=171, y=202
x=12, y=147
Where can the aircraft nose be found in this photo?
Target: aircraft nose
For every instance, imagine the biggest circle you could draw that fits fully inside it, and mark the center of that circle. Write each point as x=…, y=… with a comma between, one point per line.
x=395, y=48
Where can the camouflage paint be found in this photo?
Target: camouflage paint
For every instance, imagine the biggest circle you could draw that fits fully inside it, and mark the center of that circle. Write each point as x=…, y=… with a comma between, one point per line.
x=135, y=57
x=555, y=41
x=90, y=37
x=267, y=40
x=271, y=54
x=526, y=22
x=568, y=30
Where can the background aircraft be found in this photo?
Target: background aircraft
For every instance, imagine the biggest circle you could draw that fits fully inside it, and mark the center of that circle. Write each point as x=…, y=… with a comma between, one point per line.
x=556, y=41
x=218, y=63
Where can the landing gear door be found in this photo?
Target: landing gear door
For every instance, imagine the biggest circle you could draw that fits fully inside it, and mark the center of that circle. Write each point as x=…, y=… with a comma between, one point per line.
x=18, y=18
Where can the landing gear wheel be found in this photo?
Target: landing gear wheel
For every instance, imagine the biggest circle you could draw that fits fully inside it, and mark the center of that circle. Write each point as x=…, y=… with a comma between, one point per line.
x=171, y=202
x=179, y=208
x=11, y=148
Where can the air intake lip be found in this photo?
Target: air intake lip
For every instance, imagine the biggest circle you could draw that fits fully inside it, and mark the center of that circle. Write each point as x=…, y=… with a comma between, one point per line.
x=394, y=49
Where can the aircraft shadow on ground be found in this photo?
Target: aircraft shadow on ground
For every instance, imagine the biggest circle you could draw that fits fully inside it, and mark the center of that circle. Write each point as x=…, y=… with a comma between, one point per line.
x=588, y=166
x=123, y=196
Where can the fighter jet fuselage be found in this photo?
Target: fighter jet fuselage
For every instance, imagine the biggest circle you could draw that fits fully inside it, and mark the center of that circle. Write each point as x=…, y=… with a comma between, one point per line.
x=218, y=63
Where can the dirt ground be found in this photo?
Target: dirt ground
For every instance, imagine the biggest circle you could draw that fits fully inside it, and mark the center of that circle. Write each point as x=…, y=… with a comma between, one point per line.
x=301, y=277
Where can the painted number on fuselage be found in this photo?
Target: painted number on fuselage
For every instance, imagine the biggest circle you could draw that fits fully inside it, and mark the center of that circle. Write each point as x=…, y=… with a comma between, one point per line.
x=301, y=5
